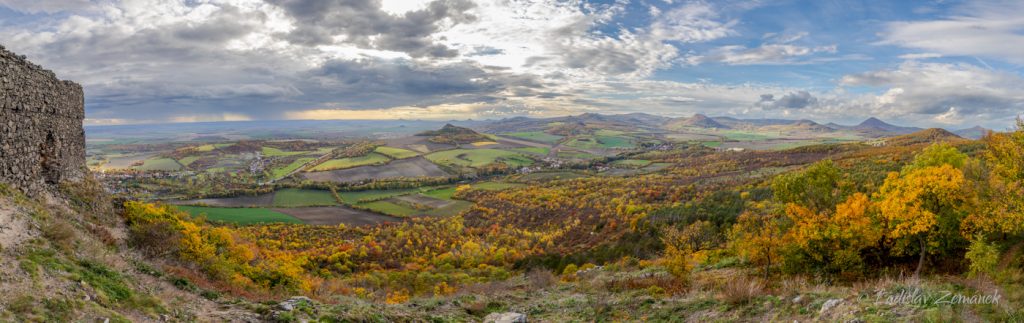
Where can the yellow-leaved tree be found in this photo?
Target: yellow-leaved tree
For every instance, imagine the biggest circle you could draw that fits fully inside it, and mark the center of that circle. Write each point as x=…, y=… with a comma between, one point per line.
x=833, y=241
x=758, y=238
x=922, y=209
x=1001, y=208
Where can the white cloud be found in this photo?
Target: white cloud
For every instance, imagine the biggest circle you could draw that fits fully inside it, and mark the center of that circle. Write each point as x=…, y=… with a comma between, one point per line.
x=764, y=54
x=945, y=93
x=993, y=29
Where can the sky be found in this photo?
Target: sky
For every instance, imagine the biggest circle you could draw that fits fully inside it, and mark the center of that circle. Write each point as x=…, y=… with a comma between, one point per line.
x=921, y=63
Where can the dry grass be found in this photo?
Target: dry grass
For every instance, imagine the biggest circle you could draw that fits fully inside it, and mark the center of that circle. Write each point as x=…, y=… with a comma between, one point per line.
x=60, y=233
x=540, y=278
x=741, y=289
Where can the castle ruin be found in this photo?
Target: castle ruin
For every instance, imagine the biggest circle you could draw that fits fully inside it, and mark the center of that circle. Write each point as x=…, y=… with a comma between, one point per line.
x=42, y=141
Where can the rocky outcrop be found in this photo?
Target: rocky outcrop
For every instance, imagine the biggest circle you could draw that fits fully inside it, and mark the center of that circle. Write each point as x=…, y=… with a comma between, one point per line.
x=43, y=142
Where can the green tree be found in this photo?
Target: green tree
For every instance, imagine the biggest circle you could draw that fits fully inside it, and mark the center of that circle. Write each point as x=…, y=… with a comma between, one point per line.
x=818, y=187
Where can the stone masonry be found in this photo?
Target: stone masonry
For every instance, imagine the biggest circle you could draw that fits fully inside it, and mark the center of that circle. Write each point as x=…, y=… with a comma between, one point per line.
x=42, y=141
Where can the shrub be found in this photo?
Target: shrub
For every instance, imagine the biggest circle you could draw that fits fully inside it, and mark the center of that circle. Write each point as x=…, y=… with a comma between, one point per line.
x=540, y=278
x=983, y=257
x=60, y=233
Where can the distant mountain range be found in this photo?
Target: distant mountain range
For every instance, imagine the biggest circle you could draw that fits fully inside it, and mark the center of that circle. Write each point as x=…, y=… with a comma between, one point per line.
x=871, y=127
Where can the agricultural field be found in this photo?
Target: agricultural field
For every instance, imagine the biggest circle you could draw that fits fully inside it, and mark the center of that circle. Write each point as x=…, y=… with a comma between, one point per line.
x=242, y=215
x=478, y=157
x=188, y=160
x=274, y=152
x=408, y=168
x=390, y=207
x=349, y=162
x=483, y=143
x=495, y=186
x=572, y=154
x=396, y=153
x=335, y=215
x=538, y=136
x=291, y=197
x=356, y=197
x=282, y=171
x=601, y=142
x=543, y=151
x=631, y=163
x=546, y=176
x=159, y=164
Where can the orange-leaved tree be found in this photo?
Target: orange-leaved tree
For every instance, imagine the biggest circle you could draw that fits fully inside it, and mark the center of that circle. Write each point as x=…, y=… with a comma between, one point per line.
x=922, y=210
x=832, y=241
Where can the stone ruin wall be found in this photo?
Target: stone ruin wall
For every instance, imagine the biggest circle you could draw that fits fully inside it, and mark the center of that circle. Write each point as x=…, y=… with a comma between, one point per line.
x=42, y=141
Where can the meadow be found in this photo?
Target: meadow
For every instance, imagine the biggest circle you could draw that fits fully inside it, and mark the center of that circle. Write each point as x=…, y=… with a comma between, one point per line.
x=478, y=157
x=291, y=197
x=350, y=162
x=538, y=136
x=396, y=153
x=244, y=216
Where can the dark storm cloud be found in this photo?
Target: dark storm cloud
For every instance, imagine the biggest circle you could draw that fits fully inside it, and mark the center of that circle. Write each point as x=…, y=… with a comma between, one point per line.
x=365, y=24
x=183, y=68
x=794, y=100
x=377, y=83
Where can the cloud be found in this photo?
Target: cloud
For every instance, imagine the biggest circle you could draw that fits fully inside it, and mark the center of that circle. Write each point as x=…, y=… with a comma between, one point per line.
x=365, y=24
x=45, y=6
x=991, y=29
x=764, y=54
x=794, y=100
x=920, y=56
x=941, y=92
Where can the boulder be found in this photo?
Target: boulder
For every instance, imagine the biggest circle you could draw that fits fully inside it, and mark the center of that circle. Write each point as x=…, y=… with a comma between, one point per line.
x=507, y=317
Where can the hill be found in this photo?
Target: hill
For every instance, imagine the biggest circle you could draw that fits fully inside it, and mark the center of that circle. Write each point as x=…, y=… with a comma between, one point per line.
x=975, y=132
x=578, y=124
x=930, y=135
x=874, y=126
x=452, y=134
x=696, y=121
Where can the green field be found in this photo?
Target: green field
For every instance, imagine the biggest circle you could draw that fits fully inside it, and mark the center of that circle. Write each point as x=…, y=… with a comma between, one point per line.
x=389, y=208
x=211, y=147
x=396, y=153
x=495, y=186
x=453, y=209
x=547, y=176
x=606, y=132
x=159, y=164
x=274, y=152
x=355, y=197
x=443, y=193
x=746, y=136
x=293, y=197
x=534, y=150
x=478, y=157
x=342, y=163
x=712, y=144
x=577, y=155
x=632, y=163
x=601, y=141
x=279, y=172
x=239, y=215
x=188, y=160
x=535, y=136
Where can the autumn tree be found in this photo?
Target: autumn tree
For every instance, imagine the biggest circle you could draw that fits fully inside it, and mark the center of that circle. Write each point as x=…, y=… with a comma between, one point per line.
x=1001, y=208
x=922, y=209
x=832, y=240
x=758, y=238
x=818, y=187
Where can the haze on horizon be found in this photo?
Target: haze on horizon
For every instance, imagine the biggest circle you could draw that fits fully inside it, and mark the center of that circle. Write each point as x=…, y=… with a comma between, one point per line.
x=950, y=64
